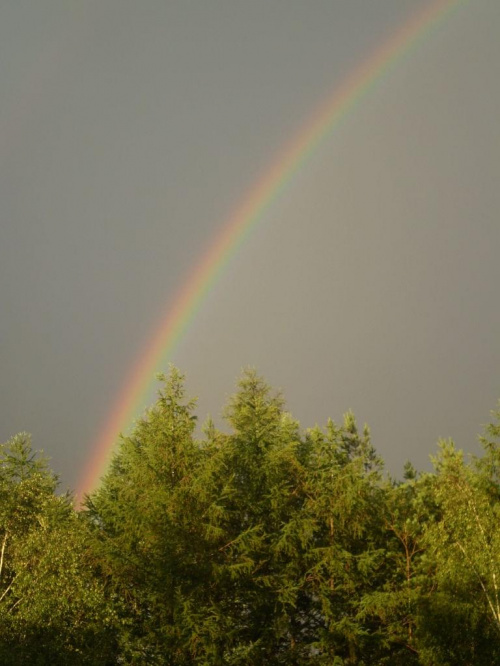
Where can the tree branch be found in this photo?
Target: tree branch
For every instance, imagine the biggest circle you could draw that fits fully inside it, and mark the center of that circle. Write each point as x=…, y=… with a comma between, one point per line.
x=2, y=553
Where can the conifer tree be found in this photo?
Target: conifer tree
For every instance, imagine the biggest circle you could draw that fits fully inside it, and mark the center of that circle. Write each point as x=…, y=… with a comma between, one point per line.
x=254, y=485
x=345, y=502
x=143, y=518
x=392, y=604
x=262, y=544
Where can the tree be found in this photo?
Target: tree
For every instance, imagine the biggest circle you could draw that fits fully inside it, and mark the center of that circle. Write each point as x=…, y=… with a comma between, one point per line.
x=258, y=483
x=393, y=603
x=52, y=606
x=144, y=524
x=345, y=501
x=460, y=620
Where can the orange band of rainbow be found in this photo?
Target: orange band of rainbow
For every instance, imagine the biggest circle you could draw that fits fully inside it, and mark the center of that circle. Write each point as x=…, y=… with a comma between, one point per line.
x=243, y=220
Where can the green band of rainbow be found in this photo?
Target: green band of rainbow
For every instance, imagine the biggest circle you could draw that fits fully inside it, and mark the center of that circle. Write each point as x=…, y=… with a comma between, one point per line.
x=243, y=220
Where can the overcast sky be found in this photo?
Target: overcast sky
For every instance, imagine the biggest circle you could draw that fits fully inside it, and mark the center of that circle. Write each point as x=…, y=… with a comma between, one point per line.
x=130, y=130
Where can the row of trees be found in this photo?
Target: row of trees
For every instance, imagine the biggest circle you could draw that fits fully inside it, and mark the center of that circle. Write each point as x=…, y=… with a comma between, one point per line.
x=264, y=545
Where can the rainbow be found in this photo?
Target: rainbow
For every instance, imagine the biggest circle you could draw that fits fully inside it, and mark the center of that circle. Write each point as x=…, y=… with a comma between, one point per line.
x=241, y=223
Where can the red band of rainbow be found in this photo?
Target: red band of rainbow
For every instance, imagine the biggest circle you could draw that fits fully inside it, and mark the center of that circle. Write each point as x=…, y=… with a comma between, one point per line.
x=243, y=220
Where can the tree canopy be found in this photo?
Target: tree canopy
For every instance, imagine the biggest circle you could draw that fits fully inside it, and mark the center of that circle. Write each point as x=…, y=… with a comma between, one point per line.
x=258, y=543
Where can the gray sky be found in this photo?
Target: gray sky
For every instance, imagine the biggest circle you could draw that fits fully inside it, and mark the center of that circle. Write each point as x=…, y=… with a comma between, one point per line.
x=130, y=130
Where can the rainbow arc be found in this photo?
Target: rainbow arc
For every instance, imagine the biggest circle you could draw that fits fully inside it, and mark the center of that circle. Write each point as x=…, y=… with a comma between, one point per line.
x=243, y=220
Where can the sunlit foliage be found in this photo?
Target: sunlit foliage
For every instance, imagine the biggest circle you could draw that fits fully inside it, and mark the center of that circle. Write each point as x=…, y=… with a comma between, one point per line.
x=258, y=543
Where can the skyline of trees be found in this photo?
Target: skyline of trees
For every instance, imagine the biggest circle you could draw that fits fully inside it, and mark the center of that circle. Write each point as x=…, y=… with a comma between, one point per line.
x=266, y=544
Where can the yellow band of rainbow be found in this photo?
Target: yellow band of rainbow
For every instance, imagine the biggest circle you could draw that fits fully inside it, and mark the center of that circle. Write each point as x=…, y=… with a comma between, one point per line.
x=243, y=220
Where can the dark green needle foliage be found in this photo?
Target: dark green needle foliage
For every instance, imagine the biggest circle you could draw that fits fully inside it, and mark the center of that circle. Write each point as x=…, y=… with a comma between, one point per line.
x=258, y=543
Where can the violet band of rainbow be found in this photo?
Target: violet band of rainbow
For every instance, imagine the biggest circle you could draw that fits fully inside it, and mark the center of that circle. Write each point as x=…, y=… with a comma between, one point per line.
x=243, y=220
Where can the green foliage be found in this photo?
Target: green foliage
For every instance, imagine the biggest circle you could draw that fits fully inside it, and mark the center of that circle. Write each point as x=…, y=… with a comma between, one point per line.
x=142, y=518
x=464, y=553
x=262, y=544
x=52, y=604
